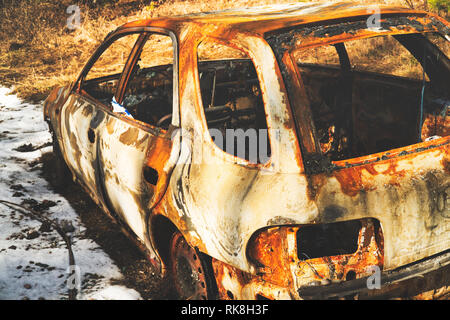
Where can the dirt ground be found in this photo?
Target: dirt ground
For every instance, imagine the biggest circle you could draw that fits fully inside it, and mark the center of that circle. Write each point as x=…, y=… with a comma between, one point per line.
x=140, y=275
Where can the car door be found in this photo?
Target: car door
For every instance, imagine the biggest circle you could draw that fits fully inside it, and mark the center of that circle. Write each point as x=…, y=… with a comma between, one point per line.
x=85, y=107
x=134, y=152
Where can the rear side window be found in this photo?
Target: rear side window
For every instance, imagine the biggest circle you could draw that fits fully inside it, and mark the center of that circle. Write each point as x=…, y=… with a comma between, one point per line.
x=376, y=94
x=232, y=102
x=324, y=56
x=439, y=41
x=384, y=55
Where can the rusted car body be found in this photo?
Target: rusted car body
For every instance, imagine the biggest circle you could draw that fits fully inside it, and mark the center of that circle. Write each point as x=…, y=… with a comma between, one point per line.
x=302, y=224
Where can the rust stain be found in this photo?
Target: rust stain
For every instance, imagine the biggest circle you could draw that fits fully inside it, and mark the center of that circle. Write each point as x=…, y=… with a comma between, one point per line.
x=350, y=181
x=87, y=110
x=110, y=125
x=350, y=266
x=129, y=137
x=269, y=251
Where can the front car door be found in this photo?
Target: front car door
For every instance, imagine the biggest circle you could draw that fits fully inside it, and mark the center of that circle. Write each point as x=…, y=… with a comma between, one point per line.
x=123, y=161
x=85, y=107
x=134, y=152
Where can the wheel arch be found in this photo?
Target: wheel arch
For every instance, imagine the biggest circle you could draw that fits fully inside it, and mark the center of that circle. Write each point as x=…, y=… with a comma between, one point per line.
x=161, y=230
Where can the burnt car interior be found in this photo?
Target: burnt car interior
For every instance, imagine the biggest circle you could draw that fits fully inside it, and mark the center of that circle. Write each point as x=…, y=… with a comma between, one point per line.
x=231, y=95
x=149, y=95
x=102, y=88
x=360, y=109
x=149, y=92
x=232, y=99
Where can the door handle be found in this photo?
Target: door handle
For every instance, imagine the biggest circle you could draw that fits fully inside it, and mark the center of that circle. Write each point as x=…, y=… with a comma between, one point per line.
x=91, y=135
x=151, y=175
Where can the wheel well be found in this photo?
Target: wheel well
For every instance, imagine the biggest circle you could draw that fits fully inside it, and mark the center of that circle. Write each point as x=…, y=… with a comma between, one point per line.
x=162, y=230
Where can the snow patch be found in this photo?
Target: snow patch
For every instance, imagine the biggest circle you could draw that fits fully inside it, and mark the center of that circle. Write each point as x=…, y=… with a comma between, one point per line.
x=33, y=263
x=115, y=293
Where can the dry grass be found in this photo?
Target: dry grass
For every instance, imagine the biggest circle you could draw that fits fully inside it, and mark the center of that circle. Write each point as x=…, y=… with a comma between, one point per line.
x=380, y=54
x=388, y=54
x=39, y=52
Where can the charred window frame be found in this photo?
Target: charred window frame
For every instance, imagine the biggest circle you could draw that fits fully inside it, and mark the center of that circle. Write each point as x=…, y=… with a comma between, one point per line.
x=154, y=98
x=108, y=42
x=143, y=32
x=208, y=105
x=282, y=41
x=436, y=62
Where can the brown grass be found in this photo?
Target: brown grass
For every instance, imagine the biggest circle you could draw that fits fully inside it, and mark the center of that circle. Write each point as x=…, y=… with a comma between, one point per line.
x=384, y=54
x=38, y=52
x=379, y=54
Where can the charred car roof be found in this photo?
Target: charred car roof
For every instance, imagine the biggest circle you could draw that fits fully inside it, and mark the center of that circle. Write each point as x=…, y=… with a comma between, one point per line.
x=265, y=19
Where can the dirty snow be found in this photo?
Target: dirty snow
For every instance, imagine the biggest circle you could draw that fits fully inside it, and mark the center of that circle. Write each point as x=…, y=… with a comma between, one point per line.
x=33, y=260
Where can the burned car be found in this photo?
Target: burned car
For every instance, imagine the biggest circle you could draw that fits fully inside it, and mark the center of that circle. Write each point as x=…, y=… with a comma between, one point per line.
x=280, y=152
